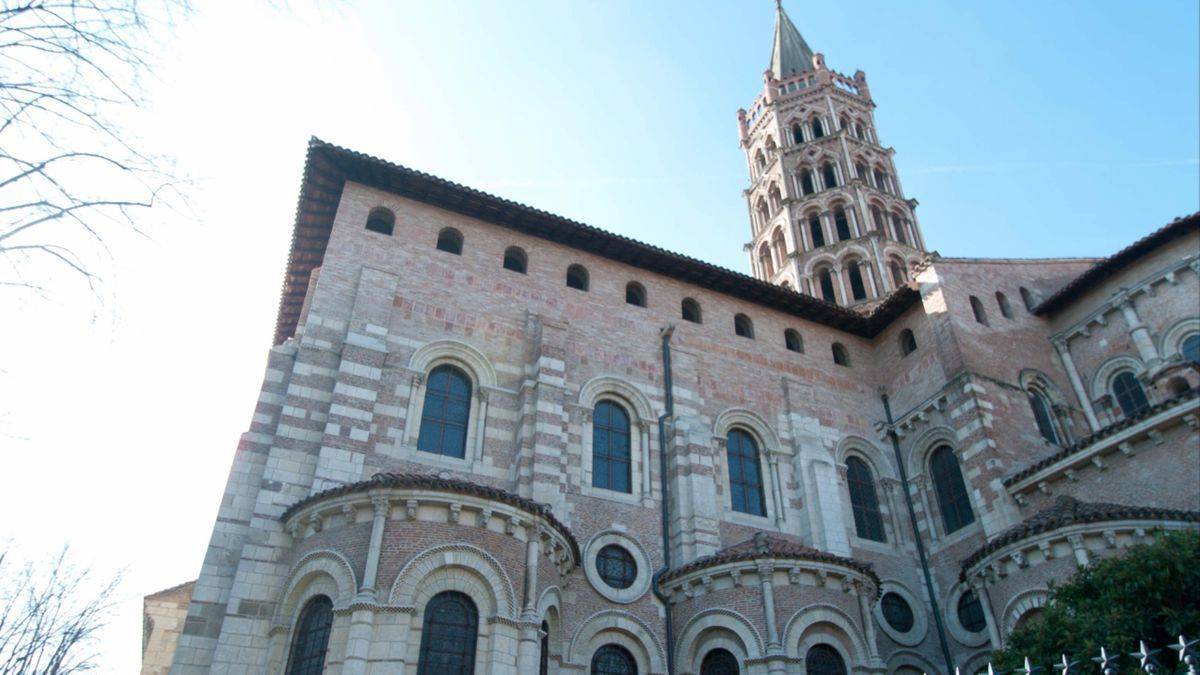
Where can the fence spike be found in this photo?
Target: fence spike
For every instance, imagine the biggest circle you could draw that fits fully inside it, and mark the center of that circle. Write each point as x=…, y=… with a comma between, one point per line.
x=1188, y=655
x=1108, y=664
x=1067, y=666
x=1146, y=660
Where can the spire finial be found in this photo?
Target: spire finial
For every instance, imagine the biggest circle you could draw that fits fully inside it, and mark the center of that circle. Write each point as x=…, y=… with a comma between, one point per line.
x=778, y=4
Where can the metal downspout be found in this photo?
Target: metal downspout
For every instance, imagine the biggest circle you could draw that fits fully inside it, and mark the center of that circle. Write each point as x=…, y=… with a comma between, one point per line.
x=668, y=412
x=912, y=517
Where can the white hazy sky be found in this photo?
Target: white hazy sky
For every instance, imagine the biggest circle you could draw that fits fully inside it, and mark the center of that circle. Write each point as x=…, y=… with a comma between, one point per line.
x=118, y=420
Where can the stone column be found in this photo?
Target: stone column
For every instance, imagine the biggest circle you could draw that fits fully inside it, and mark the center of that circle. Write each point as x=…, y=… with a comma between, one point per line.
x=362, y=616
x=775, y=662
x=776, y=488
x=644, y=441
x=864, y=608
x=985, y=600
x=480, y=424
x=918, y=484
x=1085, y=402
x=890, y=486
x=529, y=645
x=845, y=297
x=1138, y=332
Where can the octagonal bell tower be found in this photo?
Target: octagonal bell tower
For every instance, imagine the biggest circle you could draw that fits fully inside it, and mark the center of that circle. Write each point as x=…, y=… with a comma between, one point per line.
x=828, y=216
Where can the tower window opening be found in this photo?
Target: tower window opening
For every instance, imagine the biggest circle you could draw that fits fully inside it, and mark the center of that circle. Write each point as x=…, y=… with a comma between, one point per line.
x=818, y=130
x=1027, y=300
x=515, y=259
x=825, y=279
x=841, y=223
x=577, y=277
x=897, y=273
x=841, y=357
x=877, y=218
x=818, y=235
x=743, y=327
x=1002, y=302
x=978, y=310
x=381, y=220
x=857, y=288
x=793, y=341
x=806, y=182
x=797, y=133
x=898, y=229
x=765, y=261
x=635, y=294
x=450, y=240
x=690, y=310
x=829, y=176
x=861, y=171
x=908, y=342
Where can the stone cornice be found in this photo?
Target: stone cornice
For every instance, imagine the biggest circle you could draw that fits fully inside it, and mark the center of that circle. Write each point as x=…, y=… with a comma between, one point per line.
x=749, y=572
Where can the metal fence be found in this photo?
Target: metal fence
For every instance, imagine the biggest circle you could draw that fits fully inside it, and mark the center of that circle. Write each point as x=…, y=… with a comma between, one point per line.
x=1154, y=661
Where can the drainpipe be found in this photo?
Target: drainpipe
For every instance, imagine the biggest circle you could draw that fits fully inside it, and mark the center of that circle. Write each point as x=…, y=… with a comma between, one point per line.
x=912, y=517
x=668, y=413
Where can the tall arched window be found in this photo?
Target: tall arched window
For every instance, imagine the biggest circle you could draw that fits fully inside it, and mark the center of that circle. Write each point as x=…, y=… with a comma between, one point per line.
x=1027, y=299
x=951, y=491
x=515, y=259
x=857, y=288
x=818, y=130
x=824, y=660
x=611, y=464
x=613, y=660
x=742, y=326
x=908, y=342
x=860, y=170
x=897, y=273
x=448, y=635
x=1042, y=415
x=978, y=310
x=780, y=245
x=807, y=186
x=446, y=412
x=877, y=217
x=760, y=159
x=1002, y=302
x=793, y=341
x=880, y=181
x=797, y=133
x=1189, y=349
x=745, y=477
x=841, y=357
x=828, y=176
x=898, y=229
x=765, y=260
x=814, y=228
x=450, y=240
x=863, y=500
x=577, y=277
x=1129, y=393
x=825, y=279
x=544, y=653
x=841, y=223
x=690, y=310
x=635, y=294
x=764, y=213
x=311, y=639
x=381, y=220
x=719, y=662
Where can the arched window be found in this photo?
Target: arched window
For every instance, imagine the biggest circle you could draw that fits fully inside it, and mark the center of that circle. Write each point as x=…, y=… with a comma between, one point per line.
x=818, y=130
x=1027, y=300
x=544, y=655
x=764, y=213
x=858, y=131
x=719, y=662
x=775, y=197
x=577, y=277
x=760, y=159
x=877, y=217
x=840, y=356
x=448, y=635
x=765, y=260
x=450, y=240
x=880, y=183
x=897, y=273
x=843, y=122
x=841, y=223
x=311, y=639
x=690, y=310
x=978, y=311
x=863, y=500
x=797, y=133
x=908, y=342
x=613, y=660
x=793, y=341
x=515, y=259
x=611, y=465
x=825, y=279
x=806, y=182
x=970, y=612
x=861, y=170
x=780, y=245
x=381, y=220
x=446, y=412
x=814, y=228
x=742, y=326
x=1002, y=302
x=635, y=294
x=898, y=229
x=857, y=288
x=1189, y=349
x=824, y=660
x=745, y=477
x=1042, y=415
x=1129, y=393
x=951, y=491
x=828, y=175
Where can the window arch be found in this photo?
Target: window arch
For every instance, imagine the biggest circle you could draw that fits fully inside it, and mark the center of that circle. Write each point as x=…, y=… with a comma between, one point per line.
x=824, y=660
x=719, y=662
x=828, y=175
x=978, y=310
x=841, y=223
x=635, y=294
x=814, y=228
x=1042, y=415
x=450, y=240
x=448, y=635
x=825, y=280
x=742, y=326
x=745, y=475
x=612, y=464
x=840, y=356
x=797, y=133
x=793, y=341
x=807, y=187
x=446, y=412
x=951, y=491
x=381, y=220
x=858, y=289
x=613, y=659
x=515, y=259
x=1129, y=394
x=818, y=129
x=864, y=502
x=690, y=310
x=577, y=277
x=1002, y=302
x=908, y=342
x=1027, y=299
x=311, y=639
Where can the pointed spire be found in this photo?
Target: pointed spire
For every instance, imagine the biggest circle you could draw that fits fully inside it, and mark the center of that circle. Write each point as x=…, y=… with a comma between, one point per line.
x=790, y=54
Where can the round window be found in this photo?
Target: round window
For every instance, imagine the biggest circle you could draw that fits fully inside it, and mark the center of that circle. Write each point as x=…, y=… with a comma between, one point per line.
x=616, y=566
x=970, y=612
x=897, y=612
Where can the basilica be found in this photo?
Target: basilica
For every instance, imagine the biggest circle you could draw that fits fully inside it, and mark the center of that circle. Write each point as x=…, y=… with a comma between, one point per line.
x=493, y=440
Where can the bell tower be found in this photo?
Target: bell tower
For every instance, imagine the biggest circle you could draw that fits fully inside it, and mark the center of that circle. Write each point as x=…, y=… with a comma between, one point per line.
x=828, y=216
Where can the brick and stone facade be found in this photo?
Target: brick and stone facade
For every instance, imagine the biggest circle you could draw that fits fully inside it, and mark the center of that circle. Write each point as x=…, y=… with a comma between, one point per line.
x=330, y=496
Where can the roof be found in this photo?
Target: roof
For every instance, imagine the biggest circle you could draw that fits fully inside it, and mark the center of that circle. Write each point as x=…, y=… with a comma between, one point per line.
x=763, y=545
x=419, y=481
x=327, y=167
x=1109, y=266
x=173, y=589
x=1070, y=511
x=790, y=54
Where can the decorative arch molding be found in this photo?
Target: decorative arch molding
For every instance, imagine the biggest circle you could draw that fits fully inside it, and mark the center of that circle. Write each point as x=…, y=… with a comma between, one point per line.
x=868, y=452
x=1021, y=604
x=698, y=631
x=321, y=571
x=817, y=261
x=609, y=386
x=1031, y=377
x=907, y=657
x=623, y=628
x=806, y=619
x=854, y=252
x=1110, y=368
x=1172, y=339
x=918, y=452
x=407, y=589
x=459, y=353
x=752, y=422
x=551, y=598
